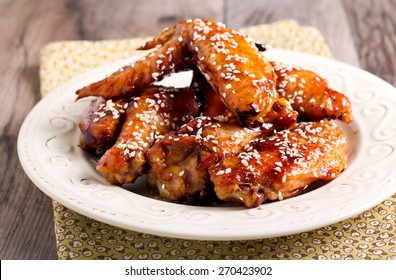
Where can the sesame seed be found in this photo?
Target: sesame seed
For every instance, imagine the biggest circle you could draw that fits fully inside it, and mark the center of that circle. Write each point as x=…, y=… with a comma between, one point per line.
x=280, y=195
x=220, y=172
x=155, y=75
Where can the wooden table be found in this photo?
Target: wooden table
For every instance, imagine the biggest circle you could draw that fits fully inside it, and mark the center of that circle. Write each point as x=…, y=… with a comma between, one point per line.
x=361, y=33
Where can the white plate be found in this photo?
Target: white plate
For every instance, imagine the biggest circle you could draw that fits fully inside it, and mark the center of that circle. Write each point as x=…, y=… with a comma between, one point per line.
x=50, y=155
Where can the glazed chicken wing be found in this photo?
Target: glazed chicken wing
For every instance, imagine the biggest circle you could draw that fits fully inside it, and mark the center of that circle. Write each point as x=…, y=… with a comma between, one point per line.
x=130, y=79
x=231, y=63
x=237, y=71
x=281, y=165
x=179, y=162
x=155, y=112
x=101, y=123
x=310, y=95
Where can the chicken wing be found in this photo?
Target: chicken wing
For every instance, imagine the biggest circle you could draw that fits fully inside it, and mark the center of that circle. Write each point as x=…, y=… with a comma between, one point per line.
x=168, y=58
x=101, y=123
x=310, y=95
x=236, y=69
x=232, y=64
x=179, y=162
x=281, y=165
x=155, y=112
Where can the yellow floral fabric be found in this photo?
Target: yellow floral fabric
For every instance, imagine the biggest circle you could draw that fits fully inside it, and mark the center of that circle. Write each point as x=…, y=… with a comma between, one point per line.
x=370, y=235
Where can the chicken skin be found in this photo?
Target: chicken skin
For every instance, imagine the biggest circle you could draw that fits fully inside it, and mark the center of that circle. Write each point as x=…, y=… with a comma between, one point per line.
x=232, y=64
x=155, y=112
x=101, y=123
x=310, y=95
x=281, y=165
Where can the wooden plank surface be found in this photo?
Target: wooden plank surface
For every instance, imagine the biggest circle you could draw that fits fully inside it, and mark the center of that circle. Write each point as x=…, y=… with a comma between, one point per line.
x=373, y=27
x=358, y=32
x=326, y=15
